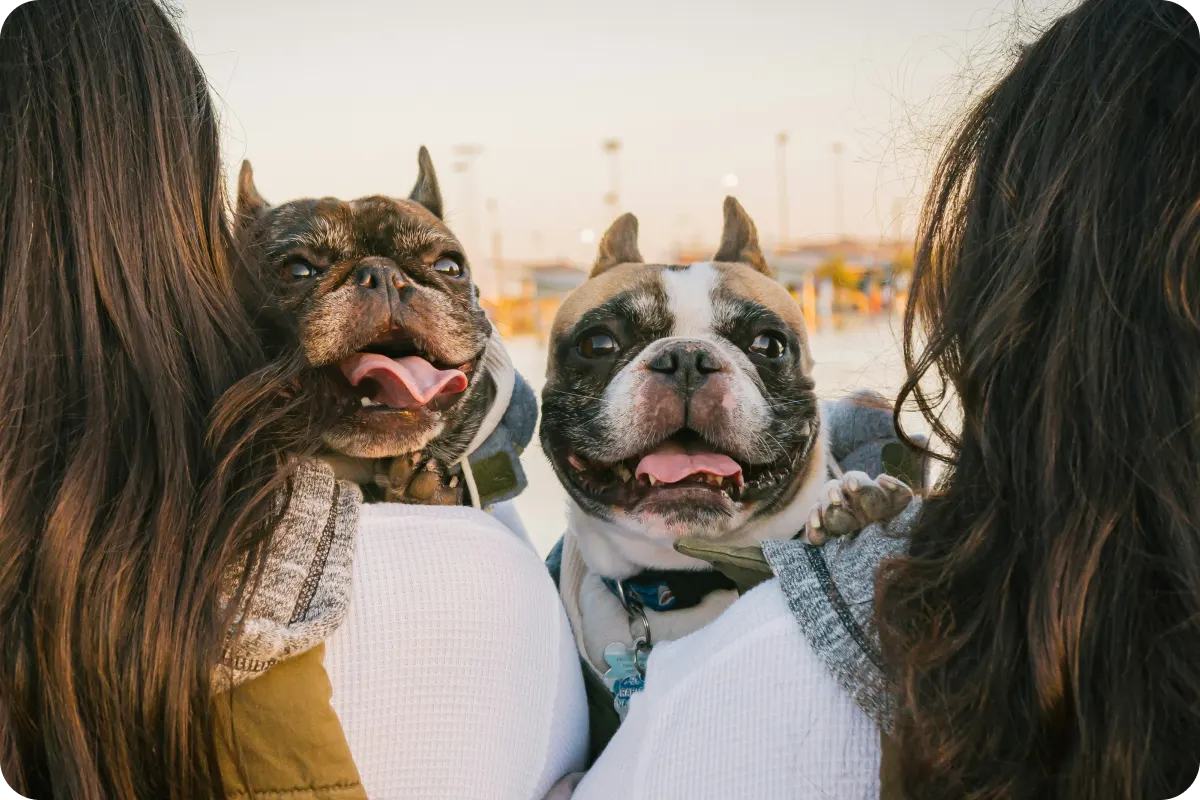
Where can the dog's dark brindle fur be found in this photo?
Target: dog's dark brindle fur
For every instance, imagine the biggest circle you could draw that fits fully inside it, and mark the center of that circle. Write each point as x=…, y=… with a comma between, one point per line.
x=383, y=275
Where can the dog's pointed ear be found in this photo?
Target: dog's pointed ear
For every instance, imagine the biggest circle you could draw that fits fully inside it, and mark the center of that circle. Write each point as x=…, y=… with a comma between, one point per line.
x=426, y=191
x=249, y=202
x=739, y=239
x=618, y=245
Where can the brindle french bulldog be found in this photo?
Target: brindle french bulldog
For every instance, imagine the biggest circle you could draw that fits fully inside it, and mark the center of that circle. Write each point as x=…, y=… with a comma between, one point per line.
x=377, y=295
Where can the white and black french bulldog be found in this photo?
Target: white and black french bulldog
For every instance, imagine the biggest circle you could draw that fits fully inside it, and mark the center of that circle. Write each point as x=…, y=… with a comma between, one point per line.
x=679, y=403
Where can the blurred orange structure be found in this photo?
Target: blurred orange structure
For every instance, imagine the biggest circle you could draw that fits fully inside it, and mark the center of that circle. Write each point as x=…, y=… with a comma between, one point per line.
x=522, y=316
x=540, y=289
x=826, y=280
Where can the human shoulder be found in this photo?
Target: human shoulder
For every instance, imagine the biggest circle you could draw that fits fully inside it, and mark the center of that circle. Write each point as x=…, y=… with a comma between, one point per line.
x=760, y=615
x=730, y=709
x=453, y=525
x=451, y=552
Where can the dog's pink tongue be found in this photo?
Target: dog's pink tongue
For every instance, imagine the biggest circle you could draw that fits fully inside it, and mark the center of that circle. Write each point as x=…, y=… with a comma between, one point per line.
x=408, y=382
x=671, y=463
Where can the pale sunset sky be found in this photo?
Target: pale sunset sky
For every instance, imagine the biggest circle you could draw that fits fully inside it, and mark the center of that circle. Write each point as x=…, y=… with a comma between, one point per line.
x=334, y=97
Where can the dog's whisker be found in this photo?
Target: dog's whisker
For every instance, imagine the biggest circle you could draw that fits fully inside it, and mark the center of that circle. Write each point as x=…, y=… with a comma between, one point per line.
x=565, y=393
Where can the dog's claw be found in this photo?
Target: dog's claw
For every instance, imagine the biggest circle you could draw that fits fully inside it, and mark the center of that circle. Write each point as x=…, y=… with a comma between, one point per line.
x=851, y=503
x=814, y=533
x=410, y=481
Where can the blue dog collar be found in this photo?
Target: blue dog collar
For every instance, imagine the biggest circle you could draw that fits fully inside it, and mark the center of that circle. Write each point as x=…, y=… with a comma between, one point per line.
x=670, y=590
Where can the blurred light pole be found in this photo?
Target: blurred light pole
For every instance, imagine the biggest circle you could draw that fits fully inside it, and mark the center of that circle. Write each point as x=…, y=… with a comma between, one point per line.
x=612, y=199
x=467, y=155
x=837, y=190
x=781, y=141
x=497, y=264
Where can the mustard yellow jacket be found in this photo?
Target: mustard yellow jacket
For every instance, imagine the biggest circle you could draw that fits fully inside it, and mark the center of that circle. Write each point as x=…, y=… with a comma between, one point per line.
x=278, y=737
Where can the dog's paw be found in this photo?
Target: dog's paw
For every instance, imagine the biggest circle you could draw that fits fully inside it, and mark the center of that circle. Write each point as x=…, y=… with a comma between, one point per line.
x=853, y=502
x=425, y=484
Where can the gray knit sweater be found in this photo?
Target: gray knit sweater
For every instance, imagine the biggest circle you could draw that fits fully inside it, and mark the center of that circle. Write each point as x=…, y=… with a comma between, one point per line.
x=831, y=592
x=831, y=589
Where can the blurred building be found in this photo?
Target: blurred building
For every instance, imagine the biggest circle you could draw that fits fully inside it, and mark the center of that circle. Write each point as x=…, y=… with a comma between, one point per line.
x=859, y=260
x=827, y=278
x=834, y=276
x=531, y=296
x=553, y=280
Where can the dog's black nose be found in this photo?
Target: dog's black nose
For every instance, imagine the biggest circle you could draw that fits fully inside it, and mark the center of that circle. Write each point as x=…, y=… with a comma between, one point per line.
x=688, y=363
x=382, y=276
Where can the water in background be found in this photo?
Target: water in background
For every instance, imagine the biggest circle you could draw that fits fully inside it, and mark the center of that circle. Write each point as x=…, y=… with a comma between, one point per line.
x=862, y=353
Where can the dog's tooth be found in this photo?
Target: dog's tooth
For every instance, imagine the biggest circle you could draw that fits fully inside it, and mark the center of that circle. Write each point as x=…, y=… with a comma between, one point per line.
x=653, y=480
x=366, y=402
x=623, y=472
x=454, y=482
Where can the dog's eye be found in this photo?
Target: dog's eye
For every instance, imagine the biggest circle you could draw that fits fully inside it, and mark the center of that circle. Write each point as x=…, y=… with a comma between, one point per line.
x=598, y=344
x=768, y=345
x=300, y=270
x=449, y=267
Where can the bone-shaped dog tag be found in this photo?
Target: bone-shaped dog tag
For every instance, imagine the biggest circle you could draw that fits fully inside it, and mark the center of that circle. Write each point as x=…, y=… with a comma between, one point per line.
x=623, y=678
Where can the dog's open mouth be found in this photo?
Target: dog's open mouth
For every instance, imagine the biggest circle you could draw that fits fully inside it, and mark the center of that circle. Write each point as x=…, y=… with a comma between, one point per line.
x=394, y=374
x=684, y=467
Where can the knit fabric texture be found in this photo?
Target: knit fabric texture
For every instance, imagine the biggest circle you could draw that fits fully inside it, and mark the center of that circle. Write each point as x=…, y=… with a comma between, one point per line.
x=742, y=708
x=454, y=674
x=304, y=589
x=831, y=592
x=831, y=589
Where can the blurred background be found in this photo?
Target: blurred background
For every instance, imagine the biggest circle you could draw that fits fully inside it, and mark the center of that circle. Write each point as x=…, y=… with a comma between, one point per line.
x=546, y=120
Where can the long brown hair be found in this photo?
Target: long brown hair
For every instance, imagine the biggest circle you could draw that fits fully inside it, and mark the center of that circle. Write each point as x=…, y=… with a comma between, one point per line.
x=1045, y=625
x=139, y=444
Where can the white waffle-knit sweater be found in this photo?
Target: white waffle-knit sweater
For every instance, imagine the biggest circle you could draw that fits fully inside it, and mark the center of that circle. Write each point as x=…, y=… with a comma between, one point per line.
x=455, y=674
x=742, y=709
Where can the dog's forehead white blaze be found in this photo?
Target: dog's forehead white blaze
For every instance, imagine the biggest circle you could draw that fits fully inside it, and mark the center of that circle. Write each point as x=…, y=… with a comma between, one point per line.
x=689, y=293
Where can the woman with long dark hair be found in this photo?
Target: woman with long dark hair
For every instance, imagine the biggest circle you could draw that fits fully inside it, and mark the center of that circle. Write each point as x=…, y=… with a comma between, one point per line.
x=123, y=499
x=1038, y=616
x=162, y=615
x=1044, y=626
